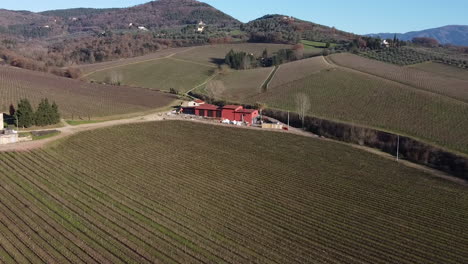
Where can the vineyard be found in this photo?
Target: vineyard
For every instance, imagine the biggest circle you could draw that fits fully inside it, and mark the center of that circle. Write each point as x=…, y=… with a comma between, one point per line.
x=446, y=70
x=436, y=83
x=297, y=70
x=76, y=99
x=161, y=74
x=166, y=196
x=215, y=54
x=338, y=94
x=236, y=85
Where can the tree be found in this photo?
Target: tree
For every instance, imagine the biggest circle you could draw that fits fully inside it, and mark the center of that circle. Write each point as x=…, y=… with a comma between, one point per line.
x=12, y=110
x=25, y=113
x=303, y=106
x=265, y=54
x=43, y=115
x=55, y=114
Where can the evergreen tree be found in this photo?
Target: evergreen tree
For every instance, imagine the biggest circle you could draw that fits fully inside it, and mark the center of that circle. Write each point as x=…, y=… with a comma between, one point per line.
x=12, y=110
x=25, y=113
x=55, y=114
x=44, y=113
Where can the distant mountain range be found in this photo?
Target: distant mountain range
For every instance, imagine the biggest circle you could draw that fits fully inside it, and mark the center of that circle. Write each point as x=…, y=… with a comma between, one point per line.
x=454, y=34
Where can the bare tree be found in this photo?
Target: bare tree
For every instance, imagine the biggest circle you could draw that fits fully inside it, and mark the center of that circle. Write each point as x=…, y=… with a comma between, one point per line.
x=215, y=88
x=303, y=106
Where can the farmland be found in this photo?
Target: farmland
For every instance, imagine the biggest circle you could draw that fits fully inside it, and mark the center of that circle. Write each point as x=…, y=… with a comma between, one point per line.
x=446, y=70
x=236, y=85
x=161, y=74
x=340, y=94
x=215, y=54
x=169, y=197
x=181, y=69
x=75, y=98
x=436, y=83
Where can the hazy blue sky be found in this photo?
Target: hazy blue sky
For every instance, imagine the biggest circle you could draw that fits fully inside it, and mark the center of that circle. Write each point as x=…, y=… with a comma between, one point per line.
x=363, y=16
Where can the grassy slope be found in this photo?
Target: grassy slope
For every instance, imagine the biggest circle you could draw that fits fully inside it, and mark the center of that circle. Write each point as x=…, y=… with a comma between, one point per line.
x=297, y=70
x=74, y=97
x=169, y=196
x=159, y=74
x=439, y=68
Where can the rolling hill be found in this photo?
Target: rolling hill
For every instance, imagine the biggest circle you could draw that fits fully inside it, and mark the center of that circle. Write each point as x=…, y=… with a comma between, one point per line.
x=453, y=34
x=286, y=29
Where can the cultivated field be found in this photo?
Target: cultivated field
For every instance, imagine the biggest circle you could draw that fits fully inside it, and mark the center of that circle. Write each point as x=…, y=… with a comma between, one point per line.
x=439, y=68
x=366, y=100
x=167, y=196
x=237, y=85
x=454, y=88
x=215, y=54
x=75, y=98
x=91, y=68
x=161, y=74
x=297, y=70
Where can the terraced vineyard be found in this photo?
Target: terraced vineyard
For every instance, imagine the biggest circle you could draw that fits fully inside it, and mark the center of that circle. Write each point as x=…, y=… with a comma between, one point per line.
x=166, y=196
x=454, y=88
x=75, y=98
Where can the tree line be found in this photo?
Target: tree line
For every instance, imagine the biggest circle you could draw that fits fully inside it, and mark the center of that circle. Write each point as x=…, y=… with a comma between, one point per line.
x=25, y=116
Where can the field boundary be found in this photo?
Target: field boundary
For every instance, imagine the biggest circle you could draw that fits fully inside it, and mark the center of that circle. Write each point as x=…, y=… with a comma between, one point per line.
x=266, y=84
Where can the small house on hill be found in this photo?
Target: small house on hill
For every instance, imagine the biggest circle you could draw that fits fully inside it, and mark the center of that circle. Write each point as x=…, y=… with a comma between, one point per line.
x=201, y=26
x=229, y=112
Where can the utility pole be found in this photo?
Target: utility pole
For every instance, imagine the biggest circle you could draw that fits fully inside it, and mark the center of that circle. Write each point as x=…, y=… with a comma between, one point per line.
x=398, y=148
x=288, y=118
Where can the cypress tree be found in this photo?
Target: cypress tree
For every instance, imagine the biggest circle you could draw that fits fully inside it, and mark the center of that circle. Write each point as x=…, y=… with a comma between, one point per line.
x=55, y=113
x=25, y=113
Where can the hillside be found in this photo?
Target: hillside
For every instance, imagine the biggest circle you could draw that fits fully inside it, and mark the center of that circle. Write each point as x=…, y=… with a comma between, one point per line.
x=453, y=34
x=285, y=29
x=155, y=15
x=75, y=98
x=368, y=93
x=163, y=195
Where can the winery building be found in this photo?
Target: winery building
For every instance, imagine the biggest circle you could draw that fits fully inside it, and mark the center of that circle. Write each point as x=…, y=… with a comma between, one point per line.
x=229, y=112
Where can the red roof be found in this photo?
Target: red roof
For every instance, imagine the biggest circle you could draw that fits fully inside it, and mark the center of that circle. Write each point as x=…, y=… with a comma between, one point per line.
x=198, y=101
x=234, y=107
x=207, y=107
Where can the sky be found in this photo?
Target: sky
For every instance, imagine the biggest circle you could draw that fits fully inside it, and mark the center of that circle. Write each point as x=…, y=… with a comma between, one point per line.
x=360, y=17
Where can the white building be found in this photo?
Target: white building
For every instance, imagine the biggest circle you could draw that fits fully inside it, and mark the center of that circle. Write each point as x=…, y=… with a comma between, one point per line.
x=385, y=43
x=142, y=28
x=7, y=136
x=201, y=26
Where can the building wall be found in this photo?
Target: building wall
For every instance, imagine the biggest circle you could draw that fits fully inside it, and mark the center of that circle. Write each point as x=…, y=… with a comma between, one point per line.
x=1, y=121
x=8, y=139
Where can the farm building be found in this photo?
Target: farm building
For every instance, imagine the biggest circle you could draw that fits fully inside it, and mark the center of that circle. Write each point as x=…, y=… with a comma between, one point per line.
x=7, y=136
x=201, y=26
x=229, y=112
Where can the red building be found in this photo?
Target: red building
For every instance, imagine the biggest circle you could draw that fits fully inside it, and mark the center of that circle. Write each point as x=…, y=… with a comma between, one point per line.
x=230, y=112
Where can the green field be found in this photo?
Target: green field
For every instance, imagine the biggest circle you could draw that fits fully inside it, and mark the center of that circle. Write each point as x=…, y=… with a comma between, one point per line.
x=438, y=68
x=161, y=74
x=76, y=99
x=167, y=196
